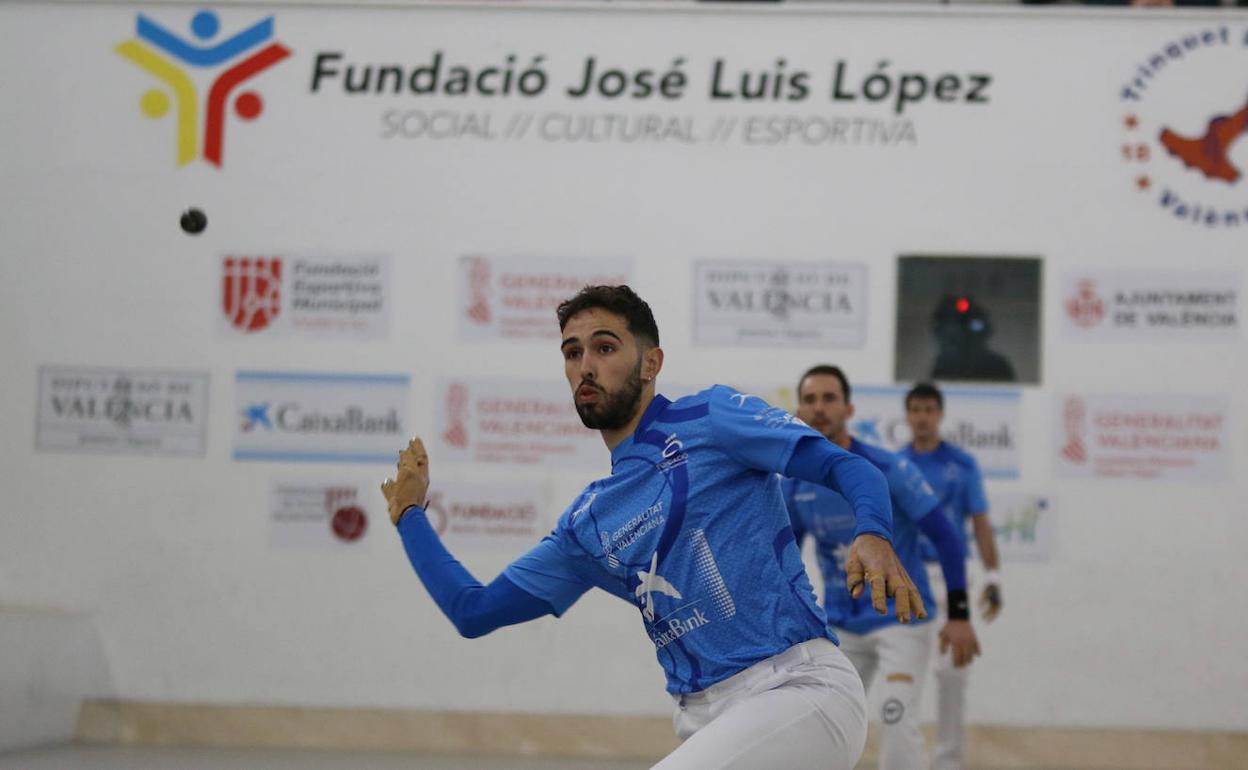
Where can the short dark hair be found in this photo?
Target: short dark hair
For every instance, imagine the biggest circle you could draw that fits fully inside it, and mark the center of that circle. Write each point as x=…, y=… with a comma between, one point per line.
x=835, y=371
x=926, y=390
x=620, y=300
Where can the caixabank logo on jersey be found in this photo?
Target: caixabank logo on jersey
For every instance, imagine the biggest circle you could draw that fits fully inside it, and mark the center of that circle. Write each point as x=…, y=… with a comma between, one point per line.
x=1184, y=114
x=198, y=77
x=320, y=417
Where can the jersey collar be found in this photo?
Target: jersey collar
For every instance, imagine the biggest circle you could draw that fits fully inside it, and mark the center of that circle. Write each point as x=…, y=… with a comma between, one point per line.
x=656, y=407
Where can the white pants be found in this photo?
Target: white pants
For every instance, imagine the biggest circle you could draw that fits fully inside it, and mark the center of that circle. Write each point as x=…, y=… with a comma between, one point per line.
x=893, y=664
x=803, y=708
x=950, y=686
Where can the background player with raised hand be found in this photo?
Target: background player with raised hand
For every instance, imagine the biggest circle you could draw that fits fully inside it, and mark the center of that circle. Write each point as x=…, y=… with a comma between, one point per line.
x=954, y=475
x=891, y=658
x=691, y=528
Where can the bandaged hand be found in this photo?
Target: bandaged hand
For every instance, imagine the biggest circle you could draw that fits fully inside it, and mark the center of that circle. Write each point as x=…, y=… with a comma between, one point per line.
x=873, y=564
x=410, y=486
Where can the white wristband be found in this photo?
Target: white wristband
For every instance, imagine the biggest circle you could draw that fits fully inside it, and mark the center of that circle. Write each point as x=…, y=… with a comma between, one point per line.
x=992, y=576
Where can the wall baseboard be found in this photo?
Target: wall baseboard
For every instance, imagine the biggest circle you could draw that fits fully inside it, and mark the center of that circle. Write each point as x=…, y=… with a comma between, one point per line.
x=138, y=723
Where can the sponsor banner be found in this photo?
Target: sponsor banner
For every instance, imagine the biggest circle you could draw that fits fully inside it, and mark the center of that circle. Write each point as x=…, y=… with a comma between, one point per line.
x=302, y=296
x=1023, y=525
x=329, y=417
x=122, y=411
x=985, y=422
x=515, y=298
x=313, y=514
x=1120, y=305
x=1170, y=438
x=514, y=423
x=480, y=516
x=800, y=304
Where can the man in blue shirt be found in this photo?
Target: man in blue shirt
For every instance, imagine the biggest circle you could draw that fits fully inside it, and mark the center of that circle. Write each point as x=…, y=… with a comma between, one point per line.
x=955, y=477
x=690, y=528
x=876, y=644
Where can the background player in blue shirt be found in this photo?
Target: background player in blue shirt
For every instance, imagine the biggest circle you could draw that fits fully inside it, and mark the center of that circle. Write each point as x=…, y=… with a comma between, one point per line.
x=690, y=528
x=955, y=476
x=891, y=658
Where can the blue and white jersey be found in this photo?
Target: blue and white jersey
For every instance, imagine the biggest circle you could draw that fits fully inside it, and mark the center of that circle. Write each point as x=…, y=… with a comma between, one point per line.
x=691, y=528
x=955, y=476
x=829, y=518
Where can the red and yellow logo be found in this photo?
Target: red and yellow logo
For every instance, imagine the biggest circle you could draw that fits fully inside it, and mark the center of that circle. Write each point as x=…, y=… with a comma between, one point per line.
x=170, y=59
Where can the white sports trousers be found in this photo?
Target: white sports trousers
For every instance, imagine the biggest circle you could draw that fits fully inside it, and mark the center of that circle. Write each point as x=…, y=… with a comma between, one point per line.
x=803, y=708
x=893, y=663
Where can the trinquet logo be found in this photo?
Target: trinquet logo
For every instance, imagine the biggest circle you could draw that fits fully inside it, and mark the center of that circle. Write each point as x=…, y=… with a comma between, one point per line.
x=1186, y=109
x=171, y=59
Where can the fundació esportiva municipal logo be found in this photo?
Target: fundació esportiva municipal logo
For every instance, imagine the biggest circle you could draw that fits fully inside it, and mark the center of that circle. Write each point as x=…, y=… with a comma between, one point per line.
x=230, y=61
x=251, y=292
x=1185, y=115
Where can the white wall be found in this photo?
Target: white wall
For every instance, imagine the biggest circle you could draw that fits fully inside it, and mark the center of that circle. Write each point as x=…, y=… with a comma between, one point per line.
x=50, y=662
x=1137, y=619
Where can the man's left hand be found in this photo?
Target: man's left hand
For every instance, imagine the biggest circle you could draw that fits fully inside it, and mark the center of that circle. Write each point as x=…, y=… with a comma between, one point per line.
x=960, y=637
x=873, y=565
x=990, y=602
x=411, y=483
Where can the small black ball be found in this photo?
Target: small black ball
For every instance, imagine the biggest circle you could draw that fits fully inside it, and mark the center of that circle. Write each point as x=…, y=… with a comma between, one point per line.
x=193, y=221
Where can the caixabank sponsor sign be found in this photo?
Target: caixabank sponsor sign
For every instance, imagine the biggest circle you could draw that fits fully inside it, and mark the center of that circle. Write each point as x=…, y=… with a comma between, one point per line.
x=984, y=421
x=121, y=411
x=320, y=417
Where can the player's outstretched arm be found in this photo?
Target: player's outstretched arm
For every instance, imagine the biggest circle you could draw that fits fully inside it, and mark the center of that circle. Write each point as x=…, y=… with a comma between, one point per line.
x=474, y=609
x=872, y=562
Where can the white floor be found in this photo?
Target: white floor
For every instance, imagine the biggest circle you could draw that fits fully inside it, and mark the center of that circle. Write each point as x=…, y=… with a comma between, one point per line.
x=180, y=758
x=86, y=757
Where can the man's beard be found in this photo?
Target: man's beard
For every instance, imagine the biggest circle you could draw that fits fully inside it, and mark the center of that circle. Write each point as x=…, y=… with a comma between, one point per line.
x=613, y=410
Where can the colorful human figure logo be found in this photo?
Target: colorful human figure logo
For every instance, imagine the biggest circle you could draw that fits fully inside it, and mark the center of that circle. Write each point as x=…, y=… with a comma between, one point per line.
x=167, y=57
